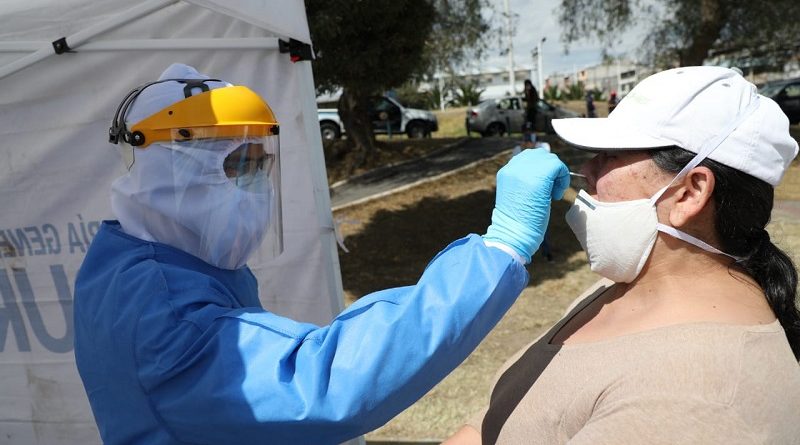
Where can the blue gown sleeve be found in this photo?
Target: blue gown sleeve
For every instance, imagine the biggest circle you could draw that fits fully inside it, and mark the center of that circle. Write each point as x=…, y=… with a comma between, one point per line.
x=251, y=376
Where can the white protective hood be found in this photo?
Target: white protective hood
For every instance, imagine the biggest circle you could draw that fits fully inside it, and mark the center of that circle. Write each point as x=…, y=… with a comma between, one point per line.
x=56, y=169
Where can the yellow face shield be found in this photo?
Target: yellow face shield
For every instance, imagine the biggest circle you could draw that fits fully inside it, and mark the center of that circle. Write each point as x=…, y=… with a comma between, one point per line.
x=222, y=147
x=220, y=113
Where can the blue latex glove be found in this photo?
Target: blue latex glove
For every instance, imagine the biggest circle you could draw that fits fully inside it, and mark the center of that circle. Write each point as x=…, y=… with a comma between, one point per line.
x=525, y=188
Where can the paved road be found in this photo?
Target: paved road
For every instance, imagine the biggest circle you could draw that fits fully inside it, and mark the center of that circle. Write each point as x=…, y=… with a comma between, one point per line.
x=389, y=178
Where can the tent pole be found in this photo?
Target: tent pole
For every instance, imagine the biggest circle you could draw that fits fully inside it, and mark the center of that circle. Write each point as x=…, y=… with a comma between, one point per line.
x=181, y=44
x=80, y=37
x=150, y=44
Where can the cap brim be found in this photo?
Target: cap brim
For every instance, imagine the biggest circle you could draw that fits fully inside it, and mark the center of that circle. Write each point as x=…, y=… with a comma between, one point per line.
x=604, y=134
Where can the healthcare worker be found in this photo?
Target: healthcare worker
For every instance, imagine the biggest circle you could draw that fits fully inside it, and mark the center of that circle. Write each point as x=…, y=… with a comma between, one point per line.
x=171, y=341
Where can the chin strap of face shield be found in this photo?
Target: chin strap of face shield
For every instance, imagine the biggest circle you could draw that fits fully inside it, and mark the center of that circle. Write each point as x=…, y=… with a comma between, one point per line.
x=119, y=131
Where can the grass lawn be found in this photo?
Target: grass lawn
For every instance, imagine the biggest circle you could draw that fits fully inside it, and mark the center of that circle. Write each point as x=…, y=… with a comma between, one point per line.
x=451, y=123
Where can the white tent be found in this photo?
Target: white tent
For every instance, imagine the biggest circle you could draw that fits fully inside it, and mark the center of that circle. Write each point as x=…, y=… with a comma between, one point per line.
x=56, y=167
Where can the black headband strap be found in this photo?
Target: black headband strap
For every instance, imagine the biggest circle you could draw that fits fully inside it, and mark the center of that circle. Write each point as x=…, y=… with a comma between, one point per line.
x=119, y=129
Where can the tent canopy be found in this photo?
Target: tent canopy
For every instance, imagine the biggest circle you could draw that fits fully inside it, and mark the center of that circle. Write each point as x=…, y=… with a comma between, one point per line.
x=57, y=167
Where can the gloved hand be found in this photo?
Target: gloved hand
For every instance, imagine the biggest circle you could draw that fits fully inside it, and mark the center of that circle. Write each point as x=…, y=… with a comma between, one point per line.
x=525, y=188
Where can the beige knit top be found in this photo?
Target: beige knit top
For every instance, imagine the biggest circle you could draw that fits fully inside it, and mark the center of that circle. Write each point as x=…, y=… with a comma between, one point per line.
x=696, y=383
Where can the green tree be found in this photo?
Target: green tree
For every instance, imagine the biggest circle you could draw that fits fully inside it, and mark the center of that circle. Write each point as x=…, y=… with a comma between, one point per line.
x=687, y=32
x=434, y=96
x=366, y=48
x=410, y=95
x=460, y=34
x=466, y=93
x=575, y=91
x=552, y=93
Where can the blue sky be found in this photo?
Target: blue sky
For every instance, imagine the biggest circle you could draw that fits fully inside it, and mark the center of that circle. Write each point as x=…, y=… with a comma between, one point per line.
x=539, y=18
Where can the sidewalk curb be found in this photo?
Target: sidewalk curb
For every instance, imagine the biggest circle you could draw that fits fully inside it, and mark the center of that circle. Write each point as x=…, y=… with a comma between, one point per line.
x=367, y=199
x=443, y=149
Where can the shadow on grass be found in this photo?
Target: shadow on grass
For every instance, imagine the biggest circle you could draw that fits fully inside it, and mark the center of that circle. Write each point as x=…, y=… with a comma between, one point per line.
x=394, y=248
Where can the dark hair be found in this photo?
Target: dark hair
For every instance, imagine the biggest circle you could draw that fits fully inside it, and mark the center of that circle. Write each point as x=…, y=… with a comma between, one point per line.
x=743, y=207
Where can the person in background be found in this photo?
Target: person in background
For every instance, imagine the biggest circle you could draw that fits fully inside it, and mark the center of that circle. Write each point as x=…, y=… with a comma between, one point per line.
x=693, y=334
x=590, y=110
x=612, y=101
x=171, y=341
x=531, y=102
x=528, y=139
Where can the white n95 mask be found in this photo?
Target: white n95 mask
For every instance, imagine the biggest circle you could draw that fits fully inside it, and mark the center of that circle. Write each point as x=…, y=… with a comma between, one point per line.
x=619, y=236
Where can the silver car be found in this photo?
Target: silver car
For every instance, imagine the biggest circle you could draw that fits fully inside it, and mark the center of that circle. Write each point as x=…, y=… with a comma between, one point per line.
x=496, y=117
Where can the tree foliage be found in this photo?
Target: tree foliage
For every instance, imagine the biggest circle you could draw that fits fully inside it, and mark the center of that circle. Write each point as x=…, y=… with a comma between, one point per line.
x=466, y=93
x=460, y=34
x=553, y=93
x=411, y=96
x=687, y=32
x=366, y=48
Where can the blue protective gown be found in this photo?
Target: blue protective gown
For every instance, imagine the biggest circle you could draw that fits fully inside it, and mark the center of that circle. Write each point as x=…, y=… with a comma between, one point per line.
x=173, y=350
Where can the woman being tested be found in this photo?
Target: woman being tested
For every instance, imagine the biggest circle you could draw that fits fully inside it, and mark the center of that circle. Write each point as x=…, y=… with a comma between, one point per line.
x=171, y=341
x=693, y=335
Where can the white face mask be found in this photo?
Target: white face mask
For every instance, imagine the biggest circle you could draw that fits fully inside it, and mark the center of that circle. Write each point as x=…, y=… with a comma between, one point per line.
x=619, y=236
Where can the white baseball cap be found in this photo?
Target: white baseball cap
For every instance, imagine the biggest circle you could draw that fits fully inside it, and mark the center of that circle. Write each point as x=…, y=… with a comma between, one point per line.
x=159, y=96
x=691, y=107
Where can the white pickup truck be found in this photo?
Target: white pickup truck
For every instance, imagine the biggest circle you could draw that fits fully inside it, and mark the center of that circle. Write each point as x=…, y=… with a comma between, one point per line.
x=388, y=116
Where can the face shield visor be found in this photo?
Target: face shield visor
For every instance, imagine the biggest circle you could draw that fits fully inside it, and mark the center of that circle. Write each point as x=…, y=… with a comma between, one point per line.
x=228, y=192
x=217, y=155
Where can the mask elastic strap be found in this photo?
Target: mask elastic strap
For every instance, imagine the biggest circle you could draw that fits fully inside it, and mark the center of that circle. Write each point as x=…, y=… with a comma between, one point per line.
x=710, y=146
x=704, y=152
x=669, y=230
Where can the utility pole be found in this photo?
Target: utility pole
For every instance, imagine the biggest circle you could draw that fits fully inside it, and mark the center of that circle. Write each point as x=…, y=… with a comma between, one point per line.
x=441, y=90
x=511, y=80
x=541, y=75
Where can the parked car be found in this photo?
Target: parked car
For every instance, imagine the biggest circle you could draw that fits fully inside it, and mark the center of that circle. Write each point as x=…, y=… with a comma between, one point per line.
x=787, y=94
x=330, y=125
x=495, y=117
x=388, y=116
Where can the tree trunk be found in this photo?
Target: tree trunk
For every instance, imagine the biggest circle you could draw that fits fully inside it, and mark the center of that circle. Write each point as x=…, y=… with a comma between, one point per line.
x=711, y=23
x=354, y=112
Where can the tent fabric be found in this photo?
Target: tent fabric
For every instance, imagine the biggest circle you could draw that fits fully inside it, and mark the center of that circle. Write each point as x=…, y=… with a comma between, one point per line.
x=56, y=168
x=51, y=19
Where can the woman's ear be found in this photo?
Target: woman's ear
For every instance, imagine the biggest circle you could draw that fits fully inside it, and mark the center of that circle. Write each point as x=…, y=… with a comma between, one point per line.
x=692, y=196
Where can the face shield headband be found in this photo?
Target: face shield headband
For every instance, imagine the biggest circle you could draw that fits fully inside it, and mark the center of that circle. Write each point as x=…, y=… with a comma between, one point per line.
x=119, y=130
